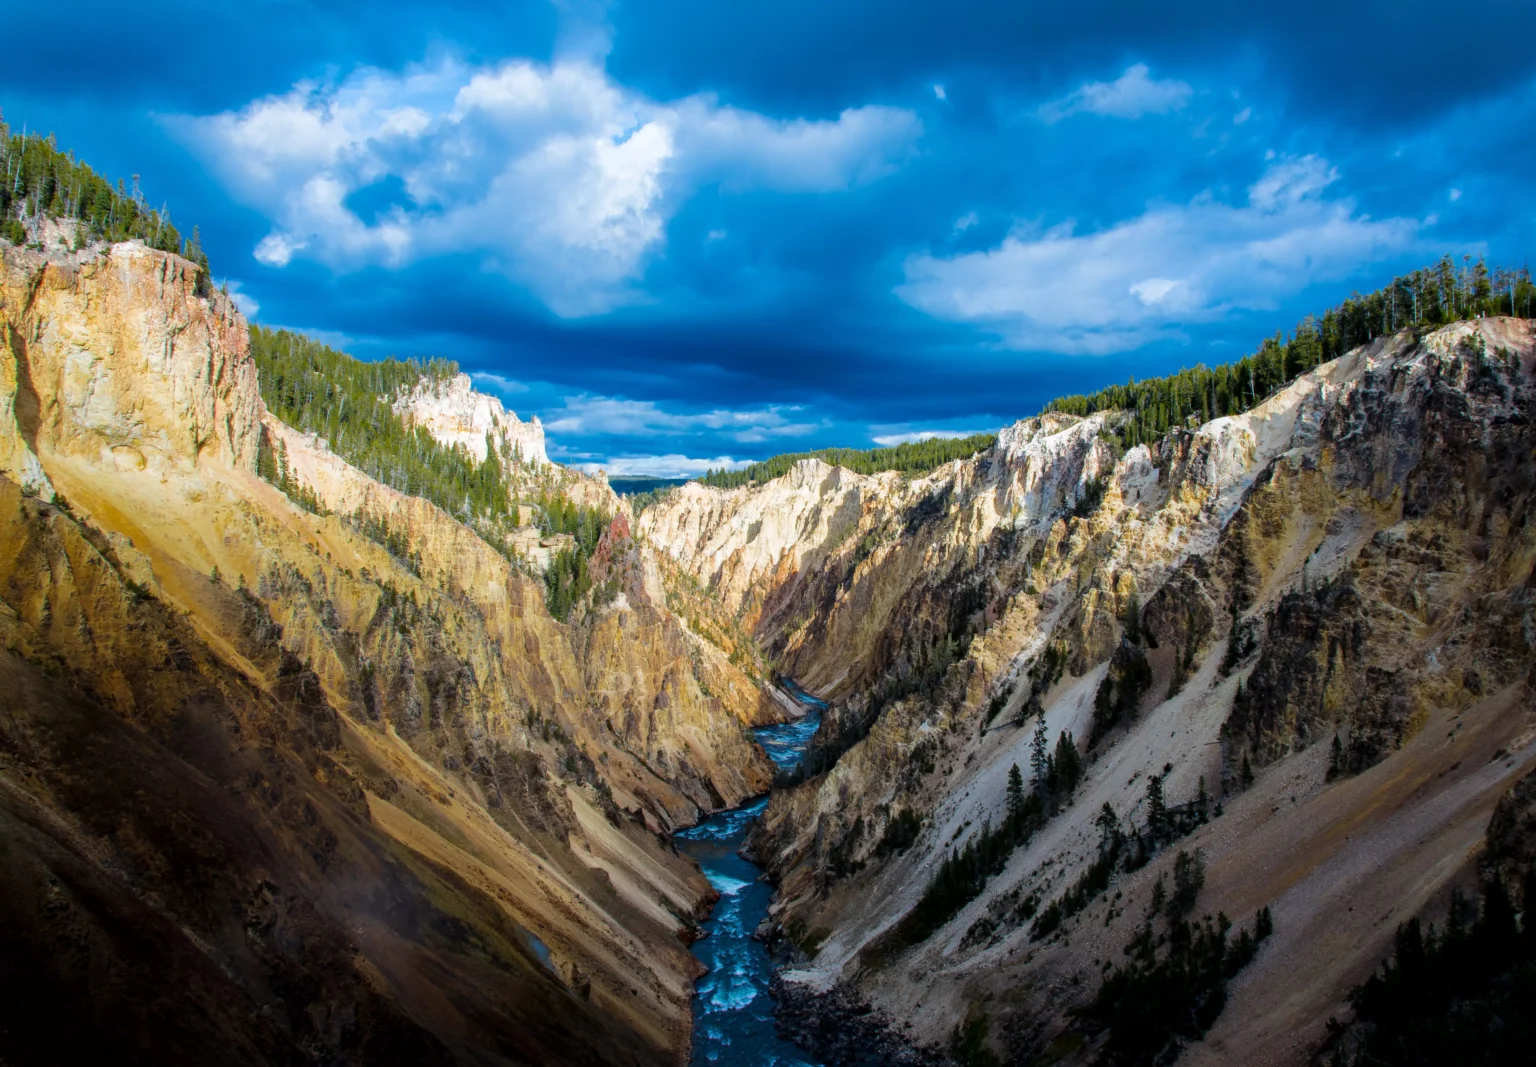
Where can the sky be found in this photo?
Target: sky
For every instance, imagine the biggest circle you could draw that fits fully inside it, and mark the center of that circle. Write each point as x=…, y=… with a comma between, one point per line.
x=692, y=234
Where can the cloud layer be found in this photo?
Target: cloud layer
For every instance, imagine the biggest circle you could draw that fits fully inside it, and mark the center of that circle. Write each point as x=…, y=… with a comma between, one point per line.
x=1142, y=279
x=587, y=415
x=557, y=175
x=1130, y=96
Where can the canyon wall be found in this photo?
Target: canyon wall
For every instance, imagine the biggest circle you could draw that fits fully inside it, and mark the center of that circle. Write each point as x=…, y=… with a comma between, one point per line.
x=372, y=807
x=1312, y=624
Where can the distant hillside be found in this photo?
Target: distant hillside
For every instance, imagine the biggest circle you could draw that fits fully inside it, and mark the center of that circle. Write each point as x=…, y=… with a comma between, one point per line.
x=914, y=457
x=633, y=486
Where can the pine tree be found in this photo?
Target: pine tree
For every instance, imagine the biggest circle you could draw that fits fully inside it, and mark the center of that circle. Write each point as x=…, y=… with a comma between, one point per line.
x=1131, y=618
x=1067, y=764
x=1038, y=760
x=1015, y=797
x=1157, y=808
x=1188, y=879
x=1109, y=830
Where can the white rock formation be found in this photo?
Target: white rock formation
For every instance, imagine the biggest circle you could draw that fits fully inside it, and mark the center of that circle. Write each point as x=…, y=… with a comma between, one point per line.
x=455, y=413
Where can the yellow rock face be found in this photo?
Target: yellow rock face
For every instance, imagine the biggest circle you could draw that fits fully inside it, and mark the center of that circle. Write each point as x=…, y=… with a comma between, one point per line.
x=429, y=712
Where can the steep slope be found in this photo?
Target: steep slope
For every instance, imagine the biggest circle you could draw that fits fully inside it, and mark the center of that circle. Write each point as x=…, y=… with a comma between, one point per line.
x=383, y=783
x=1350, y=559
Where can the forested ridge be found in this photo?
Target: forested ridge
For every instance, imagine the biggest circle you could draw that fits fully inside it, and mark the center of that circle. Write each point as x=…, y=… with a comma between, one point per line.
x=1427, y=298
x=912, y=457
x=350, y=403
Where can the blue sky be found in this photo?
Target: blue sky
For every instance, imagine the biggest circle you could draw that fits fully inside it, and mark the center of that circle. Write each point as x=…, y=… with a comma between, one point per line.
x=688, y=233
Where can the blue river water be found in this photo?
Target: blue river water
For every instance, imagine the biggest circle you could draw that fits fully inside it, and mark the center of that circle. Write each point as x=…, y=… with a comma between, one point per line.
x=732, y=1011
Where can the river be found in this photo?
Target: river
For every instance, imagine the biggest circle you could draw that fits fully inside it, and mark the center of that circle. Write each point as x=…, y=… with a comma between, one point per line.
x=732, y=1011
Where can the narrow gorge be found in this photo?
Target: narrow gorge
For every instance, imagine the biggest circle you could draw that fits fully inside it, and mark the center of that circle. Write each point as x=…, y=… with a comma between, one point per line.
x=382, y=738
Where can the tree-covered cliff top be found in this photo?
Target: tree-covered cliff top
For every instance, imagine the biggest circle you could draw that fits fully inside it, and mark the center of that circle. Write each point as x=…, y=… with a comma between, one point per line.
x=1431, y=297
x=43, y=182
x=913, y=457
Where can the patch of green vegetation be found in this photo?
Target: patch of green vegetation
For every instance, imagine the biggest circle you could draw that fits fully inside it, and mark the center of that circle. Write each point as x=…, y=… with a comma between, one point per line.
x=964, y=873
x=1462, y=995
x=900, y=833
x=968, y=1044
x=567, y=580
x=914, y=457
x=1160, y=1000
x=638, y=502
x=1133, y=850
x=350, y=403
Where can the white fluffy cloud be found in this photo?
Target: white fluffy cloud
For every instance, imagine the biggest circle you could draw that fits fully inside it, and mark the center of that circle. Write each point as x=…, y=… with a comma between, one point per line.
x=1130, y=96
x=1136, y=281
x=586, y=415
x=499, y=384
x=559, y=176
x=886, y=440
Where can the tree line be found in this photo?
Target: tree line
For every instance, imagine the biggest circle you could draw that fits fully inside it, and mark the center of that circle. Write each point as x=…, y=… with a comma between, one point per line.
x=1430, y=297
x=912, y=457
x=1427, y=298
x=41, y=181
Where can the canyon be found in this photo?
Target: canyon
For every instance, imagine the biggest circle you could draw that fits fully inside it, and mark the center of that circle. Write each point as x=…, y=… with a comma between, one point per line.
x=274, y=789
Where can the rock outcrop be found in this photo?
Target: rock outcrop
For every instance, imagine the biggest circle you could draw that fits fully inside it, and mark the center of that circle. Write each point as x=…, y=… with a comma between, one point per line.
x=380, y=801
x=1317, y=615
x=455, y=414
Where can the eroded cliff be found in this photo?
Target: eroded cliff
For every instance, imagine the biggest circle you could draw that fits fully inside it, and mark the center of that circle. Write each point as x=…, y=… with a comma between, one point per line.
x=387, y=805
